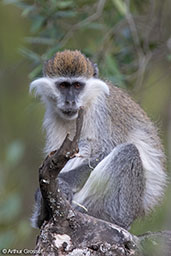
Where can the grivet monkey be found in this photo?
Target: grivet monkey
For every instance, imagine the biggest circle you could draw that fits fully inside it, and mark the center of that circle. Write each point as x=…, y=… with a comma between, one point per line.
x=118, y=174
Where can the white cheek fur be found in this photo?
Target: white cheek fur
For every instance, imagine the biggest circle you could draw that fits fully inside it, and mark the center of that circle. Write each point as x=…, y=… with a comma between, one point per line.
x=94, y=88
x=43, y=87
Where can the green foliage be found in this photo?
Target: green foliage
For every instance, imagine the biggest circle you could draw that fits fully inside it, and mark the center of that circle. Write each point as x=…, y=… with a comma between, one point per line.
x=103, y=30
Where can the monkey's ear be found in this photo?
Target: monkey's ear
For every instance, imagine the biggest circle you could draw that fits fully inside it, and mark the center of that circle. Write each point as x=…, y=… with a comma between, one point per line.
x=96, y=70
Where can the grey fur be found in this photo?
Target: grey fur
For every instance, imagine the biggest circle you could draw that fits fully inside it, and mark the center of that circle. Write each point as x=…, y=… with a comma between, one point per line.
x=117, y=197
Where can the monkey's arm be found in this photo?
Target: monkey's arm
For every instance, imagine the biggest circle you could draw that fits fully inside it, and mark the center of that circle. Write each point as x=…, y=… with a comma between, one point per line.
x=76, y=177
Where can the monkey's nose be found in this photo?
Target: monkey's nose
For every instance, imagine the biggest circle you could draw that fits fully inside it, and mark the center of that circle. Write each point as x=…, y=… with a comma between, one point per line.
x=70, y=102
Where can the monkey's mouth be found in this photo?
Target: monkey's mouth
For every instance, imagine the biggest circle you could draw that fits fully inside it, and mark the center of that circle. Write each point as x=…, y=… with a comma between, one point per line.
x=69, y=112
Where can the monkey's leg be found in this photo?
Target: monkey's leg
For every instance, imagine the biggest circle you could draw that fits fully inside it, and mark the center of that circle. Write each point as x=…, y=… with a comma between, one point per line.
x=114, y=190
x=40, y=211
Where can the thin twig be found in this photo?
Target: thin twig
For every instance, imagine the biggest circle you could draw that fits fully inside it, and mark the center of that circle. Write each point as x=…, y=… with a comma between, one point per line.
x=133, y=30
x=143, y=59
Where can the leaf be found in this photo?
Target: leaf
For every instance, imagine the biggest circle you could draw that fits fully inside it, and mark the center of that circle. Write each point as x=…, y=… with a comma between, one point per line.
x=27, y=10
x=40, y=40
x=36, y=72
x=38, y=22
x=30, y=54
x=120, y=6
x=65, y=4
x=51, y=52
x=65, y=14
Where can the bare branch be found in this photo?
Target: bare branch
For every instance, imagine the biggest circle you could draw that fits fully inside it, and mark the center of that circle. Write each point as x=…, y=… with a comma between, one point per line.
x=143, y=59
x=133, y=30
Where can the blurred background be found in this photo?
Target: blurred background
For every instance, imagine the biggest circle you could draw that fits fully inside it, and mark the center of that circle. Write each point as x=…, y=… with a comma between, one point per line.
x=130, y=41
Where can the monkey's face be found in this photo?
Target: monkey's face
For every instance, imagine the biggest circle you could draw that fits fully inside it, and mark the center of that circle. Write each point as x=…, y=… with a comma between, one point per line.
x=65, y=95
x=68, y=101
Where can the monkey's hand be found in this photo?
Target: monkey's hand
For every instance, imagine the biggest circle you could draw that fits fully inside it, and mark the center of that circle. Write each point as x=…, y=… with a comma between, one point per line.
x=79, y=155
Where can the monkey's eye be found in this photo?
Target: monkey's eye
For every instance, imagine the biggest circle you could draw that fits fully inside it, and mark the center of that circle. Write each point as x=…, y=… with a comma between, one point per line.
x=63, y=85
x=77, y=85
